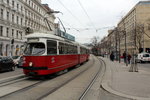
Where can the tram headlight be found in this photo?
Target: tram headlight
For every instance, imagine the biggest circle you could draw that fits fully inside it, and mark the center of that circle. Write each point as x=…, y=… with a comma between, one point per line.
x=30, y=64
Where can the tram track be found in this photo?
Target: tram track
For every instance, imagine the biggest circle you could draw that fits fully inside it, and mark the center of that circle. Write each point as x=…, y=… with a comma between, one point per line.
x=83, y=93
x=12, y=81
x=103, y=65
x=22, y=89
x=50, y=92
x=37, y=86
x=8, y=79
x=8, y=82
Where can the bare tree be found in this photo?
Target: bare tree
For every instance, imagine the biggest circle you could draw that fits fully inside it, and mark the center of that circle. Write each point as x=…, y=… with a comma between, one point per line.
x=95, y=45
x=147, y=28
x=117, y=44
x=137, y=36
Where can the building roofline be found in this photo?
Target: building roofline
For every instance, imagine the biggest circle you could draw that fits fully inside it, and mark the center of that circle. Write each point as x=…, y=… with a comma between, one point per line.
x=139, y=3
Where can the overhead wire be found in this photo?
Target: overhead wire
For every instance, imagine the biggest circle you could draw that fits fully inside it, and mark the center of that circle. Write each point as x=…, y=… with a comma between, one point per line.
x=81, y=29
x=70, y=12
x=77, y=18
x=70, y=27
x=87, y=15
x=84, y=29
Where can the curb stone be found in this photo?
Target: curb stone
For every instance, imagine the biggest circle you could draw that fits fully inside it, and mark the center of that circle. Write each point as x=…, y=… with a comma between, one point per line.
x=107, y=79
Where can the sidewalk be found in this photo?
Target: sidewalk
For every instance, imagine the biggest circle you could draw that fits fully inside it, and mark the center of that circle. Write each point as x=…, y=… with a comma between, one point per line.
x=119, y=81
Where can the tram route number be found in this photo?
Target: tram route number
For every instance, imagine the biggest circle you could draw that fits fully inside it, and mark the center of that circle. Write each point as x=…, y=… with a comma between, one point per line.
x=53, y=60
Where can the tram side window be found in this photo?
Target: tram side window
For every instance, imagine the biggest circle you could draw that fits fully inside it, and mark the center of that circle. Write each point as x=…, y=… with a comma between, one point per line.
x=83, y=50
x=61, y=48
x=51, y=47
x=75, y=50
x=69, y=49
x=66, y=50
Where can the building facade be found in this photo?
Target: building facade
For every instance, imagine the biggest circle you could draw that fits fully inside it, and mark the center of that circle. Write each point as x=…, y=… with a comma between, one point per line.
x=17, y=19
x=134, y=29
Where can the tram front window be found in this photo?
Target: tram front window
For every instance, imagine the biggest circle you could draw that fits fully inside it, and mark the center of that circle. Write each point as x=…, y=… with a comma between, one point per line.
x=35, y=49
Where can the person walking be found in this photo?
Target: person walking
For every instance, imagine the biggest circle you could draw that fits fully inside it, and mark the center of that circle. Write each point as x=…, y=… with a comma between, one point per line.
x=124, y=57
x=129, y=58
x=112, y=56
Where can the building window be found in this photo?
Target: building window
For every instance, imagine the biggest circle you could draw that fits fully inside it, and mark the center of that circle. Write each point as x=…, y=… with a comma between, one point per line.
x=17, y=20
x=7, y=32
x=13, y=3
x=25, y=22
x=1, y=30
x=7, y=15
x=29, y=2
x=17, y=33
x=20, y=35
x=13, y=18
x=1, y=47
x=29, y=23
x=21, y=21
x=7, y=1
x=21, y=8
x=6, y=53
x=17, y=6
x=2, y=12
x=26, y=12
x=29, y=13
x=12, y=32
x=32, y=4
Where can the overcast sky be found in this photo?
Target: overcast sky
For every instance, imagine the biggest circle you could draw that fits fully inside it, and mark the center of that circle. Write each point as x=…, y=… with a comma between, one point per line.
x=84, y=17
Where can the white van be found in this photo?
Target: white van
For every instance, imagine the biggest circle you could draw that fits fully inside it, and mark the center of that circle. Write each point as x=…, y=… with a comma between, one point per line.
x=143, y=57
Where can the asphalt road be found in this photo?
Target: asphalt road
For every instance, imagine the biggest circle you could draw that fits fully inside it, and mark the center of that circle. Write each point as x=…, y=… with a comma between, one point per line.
x=144, y=66
x=6, y=74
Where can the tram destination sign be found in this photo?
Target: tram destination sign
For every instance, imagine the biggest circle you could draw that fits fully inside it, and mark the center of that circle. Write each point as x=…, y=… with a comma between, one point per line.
x=33, y=39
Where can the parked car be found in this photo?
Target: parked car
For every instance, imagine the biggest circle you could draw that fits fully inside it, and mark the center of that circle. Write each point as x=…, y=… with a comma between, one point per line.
x=6, y=63
x=143, y=57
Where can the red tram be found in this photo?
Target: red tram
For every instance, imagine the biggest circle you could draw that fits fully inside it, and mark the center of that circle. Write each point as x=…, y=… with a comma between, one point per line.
x=46, y=54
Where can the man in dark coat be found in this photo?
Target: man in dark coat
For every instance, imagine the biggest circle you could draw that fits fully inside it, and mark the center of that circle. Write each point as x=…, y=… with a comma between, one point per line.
x=112, y=56
x=124, y=57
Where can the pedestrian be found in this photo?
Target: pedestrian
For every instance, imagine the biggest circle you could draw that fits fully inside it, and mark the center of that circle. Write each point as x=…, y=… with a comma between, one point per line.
x=112, y=56
x=129, y=58
x=124, y=56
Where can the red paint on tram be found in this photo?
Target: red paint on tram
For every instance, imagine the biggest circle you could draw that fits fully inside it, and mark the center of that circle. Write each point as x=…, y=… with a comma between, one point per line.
x=53, y=64
x=44, y=63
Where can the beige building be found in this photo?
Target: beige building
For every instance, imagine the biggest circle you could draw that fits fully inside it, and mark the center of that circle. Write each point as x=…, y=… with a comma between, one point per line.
x=112, y=40
x=104, y=48
x=134, y=28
